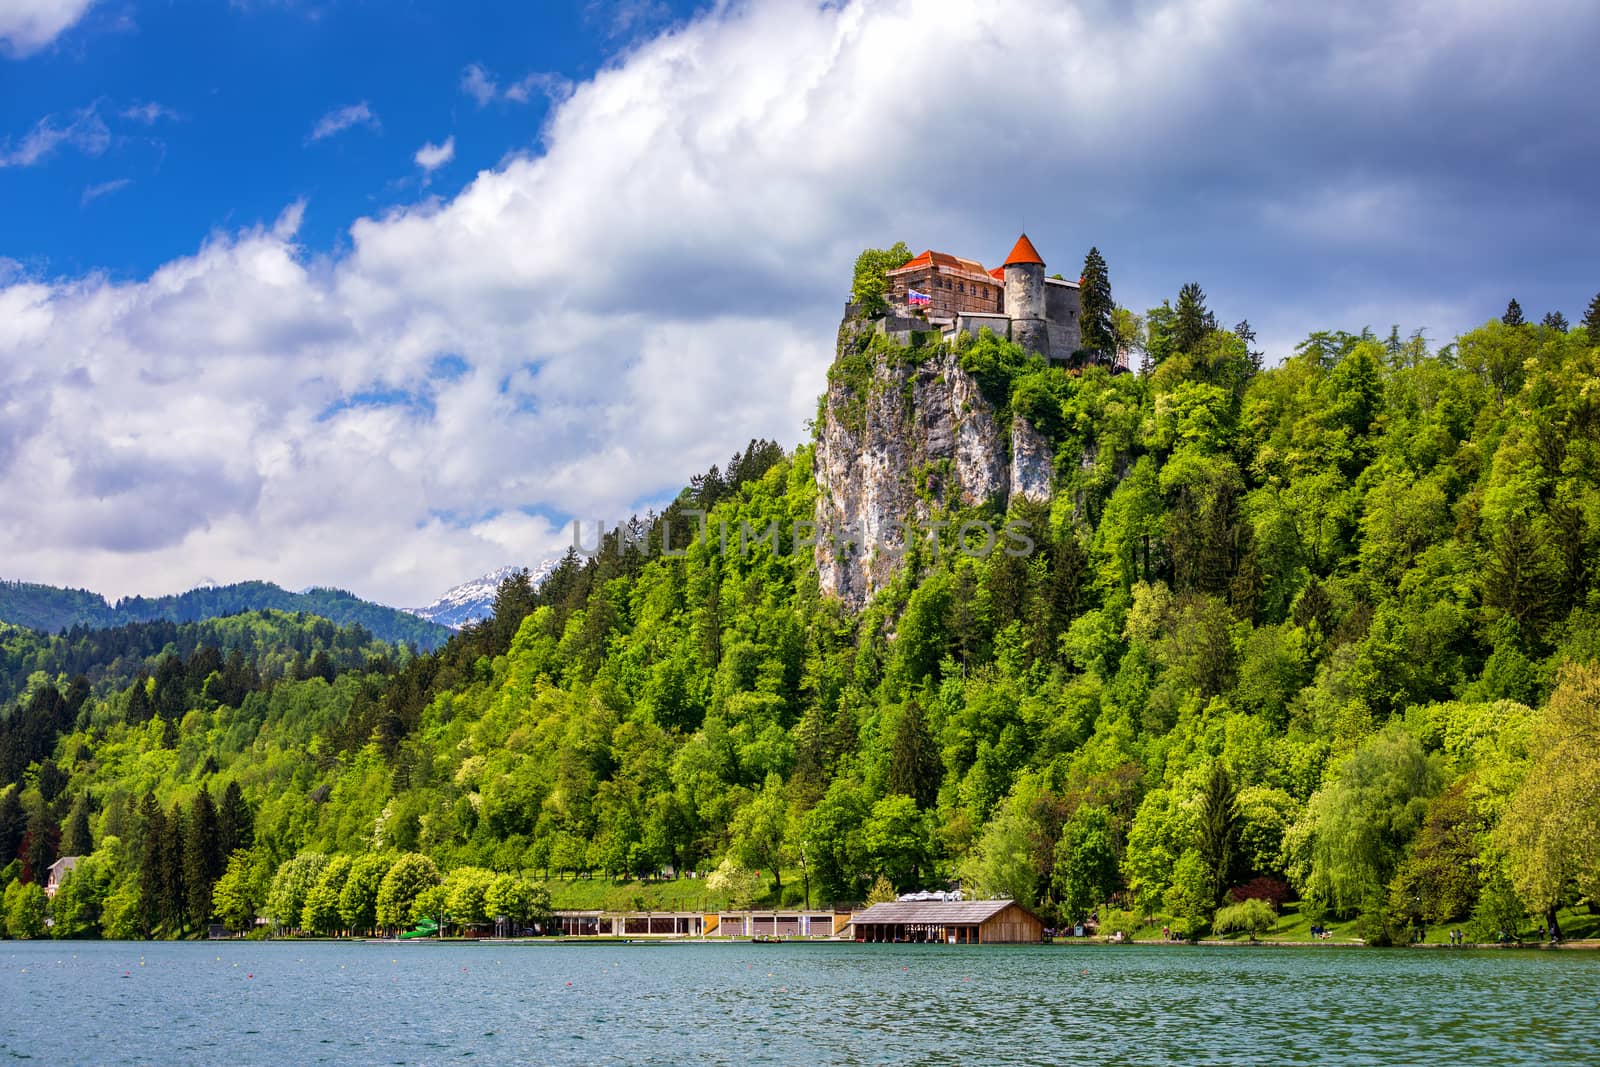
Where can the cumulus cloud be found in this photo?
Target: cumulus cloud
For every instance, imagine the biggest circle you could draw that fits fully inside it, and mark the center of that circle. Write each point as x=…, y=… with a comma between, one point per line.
x=341, y=119
x=587, y=324
x=430, y=157
x=26, y=26
x=84, y=130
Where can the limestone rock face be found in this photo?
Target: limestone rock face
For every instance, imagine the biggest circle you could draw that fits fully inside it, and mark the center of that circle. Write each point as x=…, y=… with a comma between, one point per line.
x=902, y=432
x=1032, y=462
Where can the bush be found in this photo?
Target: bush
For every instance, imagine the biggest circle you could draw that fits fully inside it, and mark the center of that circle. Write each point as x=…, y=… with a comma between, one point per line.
x=1113, y=921
x=1252, y=916
x=882, y=891
x=740, y=884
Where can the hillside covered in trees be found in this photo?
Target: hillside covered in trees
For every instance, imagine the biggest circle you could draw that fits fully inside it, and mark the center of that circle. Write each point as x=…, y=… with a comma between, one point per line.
x=50, y=609
x=1327, y=631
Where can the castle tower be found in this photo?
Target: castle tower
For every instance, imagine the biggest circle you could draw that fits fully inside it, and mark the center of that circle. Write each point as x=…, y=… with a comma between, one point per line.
x=1024, y=275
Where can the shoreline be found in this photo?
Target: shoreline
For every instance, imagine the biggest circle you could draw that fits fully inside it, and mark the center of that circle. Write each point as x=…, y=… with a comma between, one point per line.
x=1576, y=945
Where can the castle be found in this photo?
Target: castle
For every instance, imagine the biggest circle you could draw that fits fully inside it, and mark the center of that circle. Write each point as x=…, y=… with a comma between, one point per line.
x=1015, y=300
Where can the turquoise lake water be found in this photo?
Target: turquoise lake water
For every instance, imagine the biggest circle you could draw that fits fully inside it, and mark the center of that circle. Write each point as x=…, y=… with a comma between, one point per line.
x=287, y=1003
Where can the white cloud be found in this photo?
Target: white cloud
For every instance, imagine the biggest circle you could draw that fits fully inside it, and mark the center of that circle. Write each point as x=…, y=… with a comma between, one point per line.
x=430, y=157
x=149, y=113
x=85, y=130
x=478, y=83
x=553, y=86
x=95, y=192
x=341, y=119
x=26, y=26
x=582, y=328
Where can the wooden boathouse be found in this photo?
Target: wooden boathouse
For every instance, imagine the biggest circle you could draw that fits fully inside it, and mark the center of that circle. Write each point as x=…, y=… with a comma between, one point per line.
x=949, y=922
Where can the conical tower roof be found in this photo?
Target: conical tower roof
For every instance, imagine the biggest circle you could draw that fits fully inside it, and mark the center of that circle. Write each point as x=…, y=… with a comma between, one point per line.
x=1023, y=252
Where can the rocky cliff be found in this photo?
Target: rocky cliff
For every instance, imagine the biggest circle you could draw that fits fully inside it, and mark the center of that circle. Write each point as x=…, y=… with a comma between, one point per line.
x=902, y=432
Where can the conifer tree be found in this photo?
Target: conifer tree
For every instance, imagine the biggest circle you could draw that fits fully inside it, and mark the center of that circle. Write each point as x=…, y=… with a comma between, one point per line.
x=139, y=709
x=1591, y=320
x=914, y=764
x=1556, y=321
x=13, y=824
x=1218, y=830
x=1191, y=320
x=1246, y=333
x=173, y=903
x=203, y=859
x=1098, y=332
x=153, y=835
x=235, y=821
x=1513, y=315
x=75, y=838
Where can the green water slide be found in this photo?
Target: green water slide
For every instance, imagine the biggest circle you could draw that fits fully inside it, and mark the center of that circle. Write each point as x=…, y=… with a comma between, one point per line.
x=424, y=928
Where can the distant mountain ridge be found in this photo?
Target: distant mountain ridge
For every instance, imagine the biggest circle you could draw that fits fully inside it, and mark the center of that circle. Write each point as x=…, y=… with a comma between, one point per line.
x=473, y=601
x=52, y=609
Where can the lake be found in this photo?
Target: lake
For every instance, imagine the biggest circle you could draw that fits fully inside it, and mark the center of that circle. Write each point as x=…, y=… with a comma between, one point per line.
x=386, y=1003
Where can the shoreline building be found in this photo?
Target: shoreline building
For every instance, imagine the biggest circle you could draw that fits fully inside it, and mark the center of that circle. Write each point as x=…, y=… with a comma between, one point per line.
x=1014, y=300
x=57, y=873
x=948, y=922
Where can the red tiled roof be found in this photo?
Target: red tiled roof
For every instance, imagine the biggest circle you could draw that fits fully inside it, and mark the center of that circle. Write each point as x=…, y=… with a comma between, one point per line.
x=998, y=274
x=1023, y=252
x=930, y=258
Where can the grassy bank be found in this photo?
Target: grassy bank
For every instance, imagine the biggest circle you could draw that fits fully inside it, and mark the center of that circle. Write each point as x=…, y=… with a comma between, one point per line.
x=677, y=894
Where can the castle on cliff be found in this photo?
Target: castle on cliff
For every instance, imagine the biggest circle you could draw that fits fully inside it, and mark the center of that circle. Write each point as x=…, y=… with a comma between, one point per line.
x=936, y=290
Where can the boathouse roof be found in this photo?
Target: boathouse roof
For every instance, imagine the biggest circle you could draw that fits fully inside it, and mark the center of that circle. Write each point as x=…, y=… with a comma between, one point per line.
x=946, y=912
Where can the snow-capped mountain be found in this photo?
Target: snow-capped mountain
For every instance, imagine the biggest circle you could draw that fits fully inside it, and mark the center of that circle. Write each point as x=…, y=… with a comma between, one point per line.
x=474, y=600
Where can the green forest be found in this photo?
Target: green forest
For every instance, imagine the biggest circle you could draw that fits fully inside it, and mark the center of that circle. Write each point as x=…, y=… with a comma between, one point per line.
x=1323, y=635
x=52, y=609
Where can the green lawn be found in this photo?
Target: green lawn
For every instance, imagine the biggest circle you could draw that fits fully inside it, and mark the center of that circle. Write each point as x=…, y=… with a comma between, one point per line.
x=588, y=894
x=1293, y=926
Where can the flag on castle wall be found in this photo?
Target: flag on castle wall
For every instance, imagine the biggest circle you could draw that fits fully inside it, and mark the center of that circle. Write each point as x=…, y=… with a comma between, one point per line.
x=916, y=299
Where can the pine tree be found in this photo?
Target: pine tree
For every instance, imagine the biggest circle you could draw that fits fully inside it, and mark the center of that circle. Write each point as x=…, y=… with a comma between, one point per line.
x=914, y=764
x=203, y=858
x=235, y=822
x=1097, y=330
x=1192, y=322
x=1218, y=830
x=75, y=838
x=139, y=709
x=13, y=824
x=1513, y=315
x=1556, y=321
x=1246, y=333
x=152, y=834
x=1591, y=320
x=173, y=903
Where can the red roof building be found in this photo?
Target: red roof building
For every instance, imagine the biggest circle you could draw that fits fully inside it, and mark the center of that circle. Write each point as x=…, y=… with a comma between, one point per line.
x=962, y=296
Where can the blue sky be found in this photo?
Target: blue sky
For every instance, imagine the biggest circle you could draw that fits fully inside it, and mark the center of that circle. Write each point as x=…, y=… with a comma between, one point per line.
x=206, y=108
x=382, y=295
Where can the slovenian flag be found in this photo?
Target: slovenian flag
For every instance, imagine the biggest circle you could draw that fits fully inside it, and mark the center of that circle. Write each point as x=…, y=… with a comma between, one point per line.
x=916, y=299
